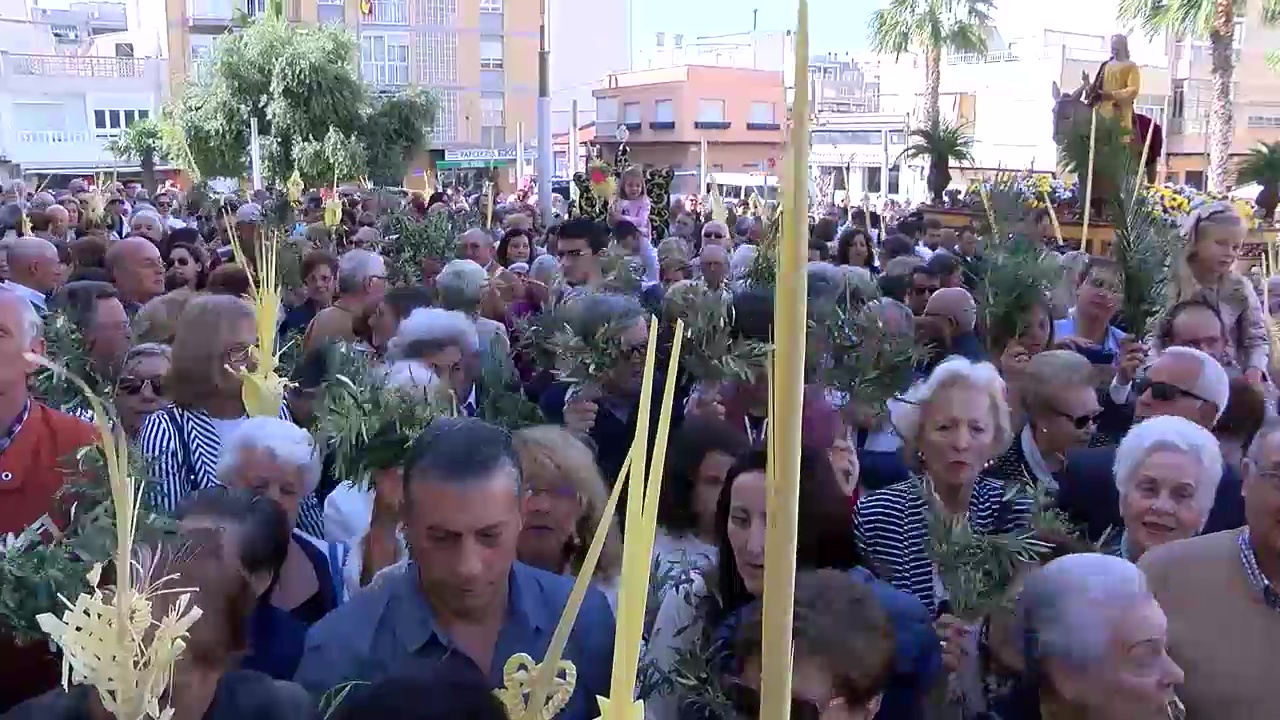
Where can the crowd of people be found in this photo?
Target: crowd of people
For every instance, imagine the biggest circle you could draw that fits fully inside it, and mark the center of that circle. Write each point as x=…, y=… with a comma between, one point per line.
x=1143, y=471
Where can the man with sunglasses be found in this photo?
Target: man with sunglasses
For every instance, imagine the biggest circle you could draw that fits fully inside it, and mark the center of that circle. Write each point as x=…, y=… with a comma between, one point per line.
x=716, y=233
x=1183, y=382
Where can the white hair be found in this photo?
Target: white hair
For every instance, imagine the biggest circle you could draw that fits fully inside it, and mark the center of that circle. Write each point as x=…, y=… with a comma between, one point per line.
x=412, y=376
x=146, y=212
x=357, y=266
x=1065, y=606
x=1169, y=432
x=461, y=284
x=284, y=441
x=477, y=232
x=433, y=326
x=740, y=263
x=1212, y=384
x=908, y=414
x=32, y=325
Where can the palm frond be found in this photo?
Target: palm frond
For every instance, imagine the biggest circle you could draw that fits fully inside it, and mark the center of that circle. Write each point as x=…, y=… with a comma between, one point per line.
x=1261, y=165
x=1143, y=248
x=942, y=140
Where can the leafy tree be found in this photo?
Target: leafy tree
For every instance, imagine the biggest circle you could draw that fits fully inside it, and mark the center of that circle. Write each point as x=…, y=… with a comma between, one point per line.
x=931, y=27
x=1215, y=20
x=1262, y=166
x=142, y=142
x=314, y=113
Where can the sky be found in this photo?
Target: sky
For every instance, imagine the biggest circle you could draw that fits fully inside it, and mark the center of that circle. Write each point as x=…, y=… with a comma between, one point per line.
x=835, y=25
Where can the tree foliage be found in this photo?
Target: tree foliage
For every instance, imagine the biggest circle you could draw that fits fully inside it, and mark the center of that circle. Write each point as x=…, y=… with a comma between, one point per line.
x=314, y=113
x=143, y=142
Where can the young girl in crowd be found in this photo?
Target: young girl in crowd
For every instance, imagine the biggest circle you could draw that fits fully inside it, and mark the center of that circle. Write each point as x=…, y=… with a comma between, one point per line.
x=632, y=203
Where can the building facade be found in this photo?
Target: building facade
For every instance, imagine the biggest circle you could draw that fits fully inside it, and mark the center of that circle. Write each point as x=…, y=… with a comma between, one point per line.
x=62, y=102
x=857, y=155
x=668, y=113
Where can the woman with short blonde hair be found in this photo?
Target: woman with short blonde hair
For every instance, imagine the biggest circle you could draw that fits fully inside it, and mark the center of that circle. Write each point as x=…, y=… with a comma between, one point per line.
x=566, y=500
x=183, y=442
x=952, y=424
x=157, y=321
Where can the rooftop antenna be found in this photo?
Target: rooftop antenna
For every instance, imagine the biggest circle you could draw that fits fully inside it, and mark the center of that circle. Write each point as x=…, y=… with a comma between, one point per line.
x=755, y=20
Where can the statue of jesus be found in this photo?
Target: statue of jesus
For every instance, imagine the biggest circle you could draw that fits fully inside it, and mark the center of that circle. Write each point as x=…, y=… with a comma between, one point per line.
x=1115, y=87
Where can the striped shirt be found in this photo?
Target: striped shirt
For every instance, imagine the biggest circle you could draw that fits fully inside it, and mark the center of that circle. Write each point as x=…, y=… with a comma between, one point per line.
x=892, y=530
x=182, y=446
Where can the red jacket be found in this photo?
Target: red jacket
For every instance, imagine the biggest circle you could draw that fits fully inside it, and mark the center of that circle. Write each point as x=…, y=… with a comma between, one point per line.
x=32, y=471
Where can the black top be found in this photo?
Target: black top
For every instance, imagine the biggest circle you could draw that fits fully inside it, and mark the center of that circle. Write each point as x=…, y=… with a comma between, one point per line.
x=241, y=695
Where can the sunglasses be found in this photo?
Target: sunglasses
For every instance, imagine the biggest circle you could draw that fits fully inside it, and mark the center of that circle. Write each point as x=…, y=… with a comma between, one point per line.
x=1081, y=421
x=1163, y=391
x=130, y=385
x=713, y=236
x=745, y=701
x=180, y=262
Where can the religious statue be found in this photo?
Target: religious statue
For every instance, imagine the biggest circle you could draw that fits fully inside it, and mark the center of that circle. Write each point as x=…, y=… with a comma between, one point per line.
x=1115, y=86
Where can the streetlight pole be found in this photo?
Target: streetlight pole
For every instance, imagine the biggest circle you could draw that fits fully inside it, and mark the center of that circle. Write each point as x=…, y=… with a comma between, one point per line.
x=546, y=161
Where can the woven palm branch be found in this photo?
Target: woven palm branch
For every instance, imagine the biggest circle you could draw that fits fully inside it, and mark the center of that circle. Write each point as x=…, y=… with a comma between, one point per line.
x=367, y=423
x=263, y=389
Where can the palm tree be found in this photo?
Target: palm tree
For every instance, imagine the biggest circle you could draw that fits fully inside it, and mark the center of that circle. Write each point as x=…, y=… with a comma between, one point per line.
x=942, y=143
x=1262, y=166
x=931, y=26
x=142, y=142
x=1215, y=20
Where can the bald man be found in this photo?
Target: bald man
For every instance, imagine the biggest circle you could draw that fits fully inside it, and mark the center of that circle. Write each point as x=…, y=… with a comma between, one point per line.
x=949, y=319
x=59, y=222
x=34, y=270
x=136, y=270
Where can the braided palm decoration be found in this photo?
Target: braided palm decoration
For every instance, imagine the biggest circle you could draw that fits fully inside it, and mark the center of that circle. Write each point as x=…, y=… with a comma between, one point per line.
x=657, y=185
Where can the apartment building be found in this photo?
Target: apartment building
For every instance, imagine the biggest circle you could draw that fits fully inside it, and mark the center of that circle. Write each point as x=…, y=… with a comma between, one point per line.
x=667, y=113
x=61, y=102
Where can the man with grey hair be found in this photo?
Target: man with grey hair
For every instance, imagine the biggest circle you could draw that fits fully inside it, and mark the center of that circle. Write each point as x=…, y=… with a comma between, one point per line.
x=362, y=281
x=713, y=261
x=462, y=286
x=37, y=452
x=34, y=270
x=1084, y=616
x=462, y=591
x=476, y=245
x=1184, y=382
x=1221, y=592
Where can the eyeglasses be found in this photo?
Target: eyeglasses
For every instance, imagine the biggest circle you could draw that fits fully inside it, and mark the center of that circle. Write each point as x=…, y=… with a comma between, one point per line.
x=1081, y=421
x=130, y=385
x=745, y=701
x=1163, y=391
x=180, y=262
x=923, y=291
x=562, y=492
x=713, y=236
x=239, y=354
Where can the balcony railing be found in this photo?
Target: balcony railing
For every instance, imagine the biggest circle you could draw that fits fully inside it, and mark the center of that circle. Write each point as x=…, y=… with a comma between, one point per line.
x=389, y=12
x=994, y=56
x=54, y=137
x=67, y=66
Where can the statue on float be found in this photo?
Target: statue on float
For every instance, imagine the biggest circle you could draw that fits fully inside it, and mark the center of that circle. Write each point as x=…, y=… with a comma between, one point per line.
x=1112, y=92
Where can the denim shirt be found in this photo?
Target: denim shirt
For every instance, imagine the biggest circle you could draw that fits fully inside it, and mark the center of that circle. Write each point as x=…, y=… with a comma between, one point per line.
x=387, y=630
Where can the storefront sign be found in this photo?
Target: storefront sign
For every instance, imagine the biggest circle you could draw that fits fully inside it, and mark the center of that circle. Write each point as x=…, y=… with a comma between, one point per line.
x=487, y=154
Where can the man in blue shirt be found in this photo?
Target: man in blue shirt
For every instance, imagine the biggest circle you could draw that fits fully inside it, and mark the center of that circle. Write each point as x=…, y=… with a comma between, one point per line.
x=462, y=593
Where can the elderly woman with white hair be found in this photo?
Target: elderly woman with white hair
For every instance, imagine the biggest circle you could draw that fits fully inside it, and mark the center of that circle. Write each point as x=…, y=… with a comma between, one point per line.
x=461, y=286
x=275, y=458
x=952, y=424
x=1095, y=643
x=439, y=342
x=1167, y=471
x=146, y=222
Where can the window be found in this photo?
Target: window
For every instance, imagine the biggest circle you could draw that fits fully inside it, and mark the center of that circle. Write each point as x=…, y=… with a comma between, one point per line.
x=762, y=113
x=607, y=110
x=437, y=58
x=1264, y=121
x=664, y=111
x=40, y=116
x=441, y=12
x=124, y=50
x=255, y=8
x=109, y=122
x=661, y=39
x=710, y=110
x=65, y=33
x=1195, y=178
x=490, y=6
x=384, y=59
x=492, y=109
x=490, y=53
x=677, y=40
x=446, y=127
x=846, y=137
x=631, y=112
x=390, y=12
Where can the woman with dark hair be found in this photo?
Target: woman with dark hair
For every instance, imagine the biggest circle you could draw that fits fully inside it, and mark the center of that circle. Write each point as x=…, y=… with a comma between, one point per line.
x=705, y=621
x=186, y=262
x=206, y=683
x=457, y=691
x=515, y=246
x=698, y=458
x=853, y=247
x=259, y=529
x=319, y=275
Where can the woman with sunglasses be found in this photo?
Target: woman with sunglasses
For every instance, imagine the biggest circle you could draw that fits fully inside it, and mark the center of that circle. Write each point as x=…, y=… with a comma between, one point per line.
x=703, y=614
x=140, y=390
x=1059, y=405
x=187, y=263
x=843, y=653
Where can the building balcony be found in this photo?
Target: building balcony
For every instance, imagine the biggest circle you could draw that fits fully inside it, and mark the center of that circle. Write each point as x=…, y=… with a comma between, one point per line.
x=37, y=150
x=68, y=66
x=213, y=14
x=63, y=74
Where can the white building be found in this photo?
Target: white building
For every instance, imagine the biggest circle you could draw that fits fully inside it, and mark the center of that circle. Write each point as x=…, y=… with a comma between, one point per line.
x=861, y=152
x=60, y=105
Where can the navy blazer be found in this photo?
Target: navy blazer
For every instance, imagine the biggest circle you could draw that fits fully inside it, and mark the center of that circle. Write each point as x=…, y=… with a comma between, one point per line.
x=1087, y=493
